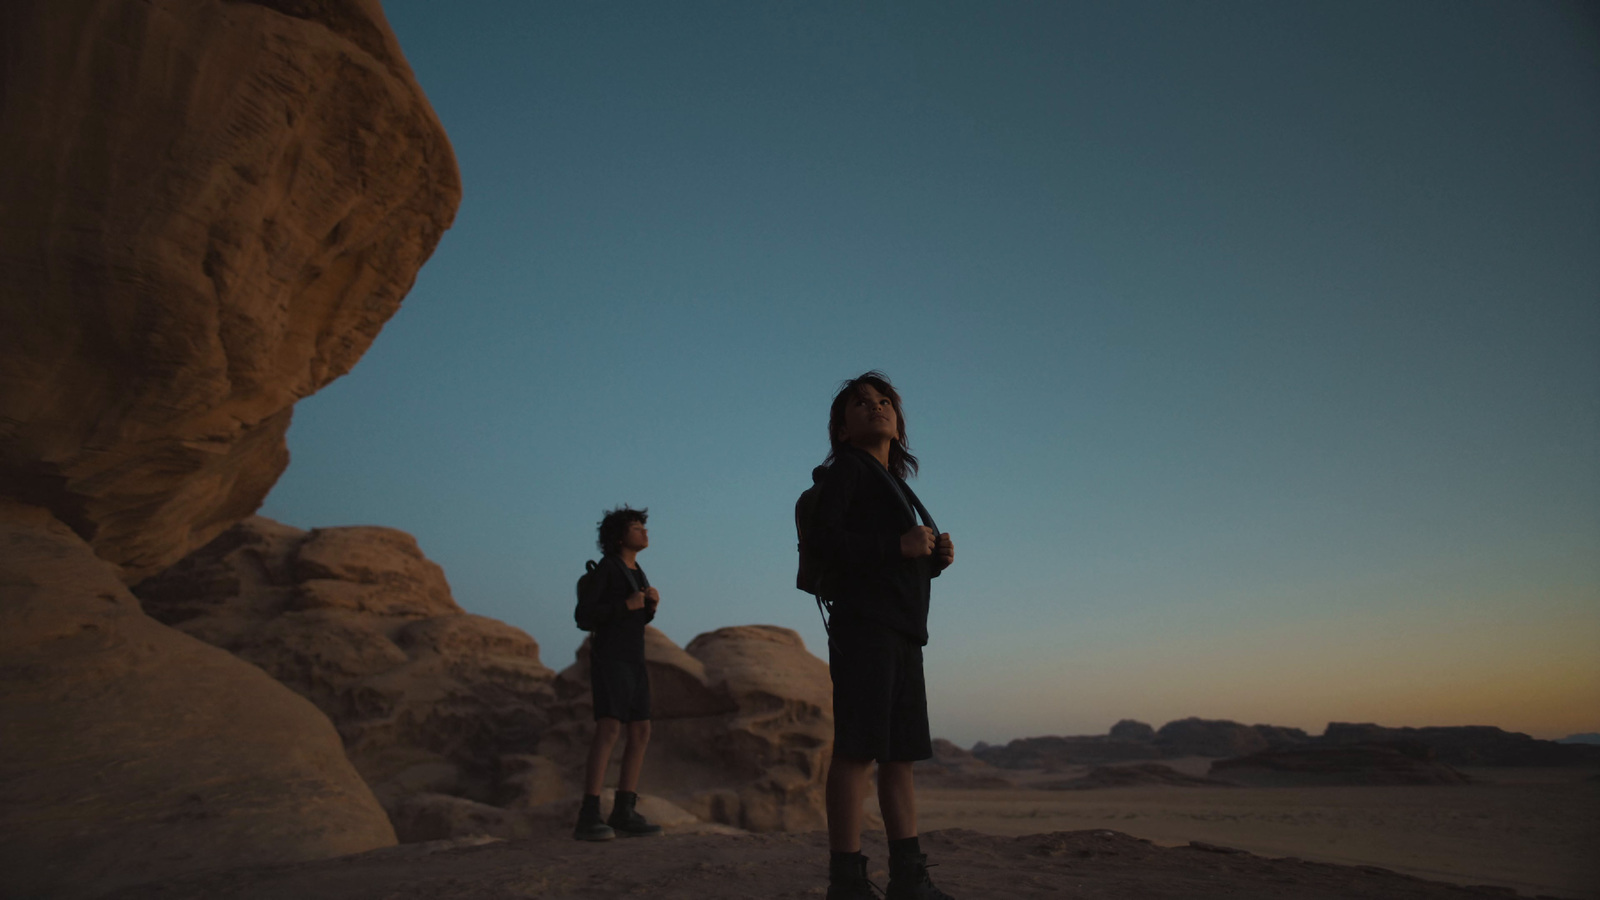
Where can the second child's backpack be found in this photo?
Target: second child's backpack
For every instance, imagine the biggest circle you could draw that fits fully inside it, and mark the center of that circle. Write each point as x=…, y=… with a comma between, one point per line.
x=585, y=611
x=809, y=576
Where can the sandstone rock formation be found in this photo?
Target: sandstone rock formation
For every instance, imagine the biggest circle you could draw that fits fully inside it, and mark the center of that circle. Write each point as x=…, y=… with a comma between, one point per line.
x=211, y=208
x=1396, y=762
x=428, y=698
x=132, y=752
x=742, y=728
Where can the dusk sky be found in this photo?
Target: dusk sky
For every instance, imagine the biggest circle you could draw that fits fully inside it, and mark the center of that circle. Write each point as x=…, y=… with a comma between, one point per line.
x=1252, y=350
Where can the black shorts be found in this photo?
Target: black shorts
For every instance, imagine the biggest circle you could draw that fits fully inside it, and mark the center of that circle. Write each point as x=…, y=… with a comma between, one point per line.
x=880, y=702
x=621, y=689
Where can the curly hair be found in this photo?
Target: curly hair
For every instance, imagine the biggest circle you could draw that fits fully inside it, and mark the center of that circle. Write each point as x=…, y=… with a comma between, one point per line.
x=901, y=462
x=615, y=524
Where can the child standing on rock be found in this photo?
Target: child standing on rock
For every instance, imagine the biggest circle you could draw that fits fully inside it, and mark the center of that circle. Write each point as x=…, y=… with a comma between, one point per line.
x=615, y=602
x=876, y=563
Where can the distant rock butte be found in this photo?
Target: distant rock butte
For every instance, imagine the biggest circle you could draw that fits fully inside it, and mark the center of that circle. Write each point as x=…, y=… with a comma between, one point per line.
x=953, y=767
x=212, y=208
x=1471, y=745
x=1136, y=775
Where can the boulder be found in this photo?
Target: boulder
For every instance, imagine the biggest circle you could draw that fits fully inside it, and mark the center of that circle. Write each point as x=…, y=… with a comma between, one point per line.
x=428, y=698
x=133, y=752
x=1394, y=762
x=742, y=728
x=212, y=207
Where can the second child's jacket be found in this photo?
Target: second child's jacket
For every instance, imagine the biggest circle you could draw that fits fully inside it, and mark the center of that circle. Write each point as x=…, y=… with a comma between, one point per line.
x=618, y=631
x=858, y=524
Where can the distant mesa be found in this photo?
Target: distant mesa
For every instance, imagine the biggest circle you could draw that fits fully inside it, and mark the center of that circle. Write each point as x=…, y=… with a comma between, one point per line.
x=1587, y=737
x=1374, y=763
x=1130, y=740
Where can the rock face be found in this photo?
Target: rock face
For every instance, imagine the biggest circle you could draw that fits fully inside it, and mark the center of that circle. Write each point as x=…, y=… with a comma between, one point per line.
x=1396, y=762
x=427, y=698
x=743, y=723
x=132, y=752
x=1470, y=745
x=212, y=207
x=1132, y=730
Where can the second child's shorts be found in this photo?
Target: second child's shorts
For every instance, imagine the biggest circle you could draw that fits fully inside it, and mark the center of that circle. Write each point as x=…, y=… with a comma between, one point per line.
x=621, y=689
x=880, y=702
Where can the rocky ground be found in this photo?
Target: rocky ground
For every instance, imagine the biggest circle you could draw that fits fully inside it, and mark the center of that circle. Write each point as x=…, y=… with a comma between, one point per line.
x=1085, y=864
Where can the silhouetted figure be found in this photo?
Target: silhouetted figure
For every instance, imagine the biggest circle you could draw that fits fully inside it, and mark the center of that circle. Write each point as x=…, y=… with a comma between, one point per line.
x=876, y=563
x=615, y=602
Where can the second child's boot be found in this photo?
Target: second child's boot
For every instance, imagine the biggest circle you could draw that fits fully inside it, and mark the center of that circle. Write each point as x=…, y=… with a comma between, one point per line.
x=847, y=878
x=908, y=879
x=626, y=820
x=589, y=827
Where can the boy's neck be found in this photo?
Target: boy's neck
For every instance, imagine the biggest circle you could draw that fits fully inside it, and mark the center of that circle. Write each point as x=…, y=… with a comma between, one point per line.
x=627, y=555
x=878, y=449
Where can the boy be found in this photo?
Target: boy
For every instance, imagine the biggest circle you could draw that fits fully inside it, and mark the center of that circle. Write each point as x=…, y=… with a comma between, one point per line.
x=618, y=603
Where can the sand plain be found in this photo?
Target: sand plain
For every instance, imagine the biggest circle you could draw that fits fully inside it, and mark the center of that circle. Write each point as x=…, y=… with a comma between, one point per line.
x=1534, y=830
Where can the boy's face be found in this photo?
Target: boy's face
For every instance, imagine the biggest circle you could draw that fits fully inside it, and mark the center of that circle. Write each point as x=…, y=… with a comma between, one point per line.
x=869, y=417
x=637, y=537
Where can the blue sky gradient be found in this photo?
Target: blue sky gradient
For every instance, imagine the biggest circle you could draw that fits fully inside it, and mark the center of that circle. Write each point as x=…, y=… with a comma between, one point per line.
x=1252, y=350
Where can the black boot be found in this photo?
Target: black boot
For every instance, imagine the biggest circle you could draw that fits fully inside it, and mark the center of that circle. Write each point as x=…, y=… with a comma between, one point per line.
x=626, y=820
x=908, y=879
x=590, y=828
x=847, y=878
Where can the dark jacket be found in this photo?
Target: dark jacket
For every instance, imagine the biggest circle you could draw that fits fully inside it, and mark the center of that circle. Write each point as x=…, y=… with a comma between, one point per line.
x=618, y=631
x=858, y=524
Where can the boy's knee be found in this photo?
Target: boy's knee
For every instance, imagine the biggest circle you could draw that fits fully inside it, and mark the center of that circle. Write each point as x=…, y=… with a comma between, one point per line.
x=639, y=731
x=607, y=728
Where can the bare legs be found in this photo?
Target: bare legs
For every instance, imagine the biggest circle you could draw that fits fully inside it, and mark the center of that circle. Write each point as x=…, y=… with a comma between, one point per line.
x=606, y=732
x=848, y=780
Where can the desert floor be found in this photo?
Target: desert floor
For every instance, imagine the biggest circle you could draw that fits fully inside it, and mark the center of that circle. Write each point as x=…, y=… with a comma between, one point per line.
x=1535, y=830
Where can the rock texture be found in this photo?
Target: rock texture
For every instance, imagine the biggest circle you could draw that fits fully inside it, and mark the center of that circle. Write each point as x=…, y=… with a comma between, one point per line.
x=428, y=698
x=211, y=208
x=132, y=752
x=1396, y=762
x=742, y=729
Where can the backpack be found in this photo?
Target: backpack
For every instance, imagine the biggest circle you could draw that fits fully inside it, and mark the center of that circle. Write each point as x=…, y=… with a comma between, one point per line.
x=585, y=611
